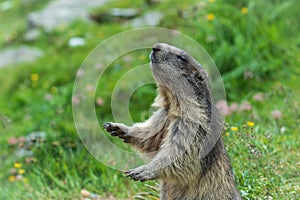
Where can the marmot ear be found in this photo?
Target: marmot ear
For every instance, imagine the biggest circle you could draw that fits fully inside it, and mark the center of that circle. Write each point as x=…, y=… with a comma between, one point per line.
x=201, y=76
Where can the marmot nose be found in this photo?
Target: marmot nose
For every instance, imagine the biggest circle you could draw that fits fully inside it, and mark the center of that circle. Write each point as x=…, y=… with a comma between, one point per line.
x=156, y=47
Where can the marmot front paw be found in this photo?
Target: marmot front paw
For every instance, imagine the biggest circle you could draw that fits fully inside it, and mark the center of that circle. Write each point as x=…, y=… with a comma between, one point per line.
x=142, y=173
x=115, y=130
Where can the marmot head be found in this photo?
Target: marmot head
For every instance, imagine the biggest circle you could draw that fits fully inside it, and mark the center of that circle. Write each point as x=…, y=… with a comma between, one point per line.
x=176, y=69
x=188, y=90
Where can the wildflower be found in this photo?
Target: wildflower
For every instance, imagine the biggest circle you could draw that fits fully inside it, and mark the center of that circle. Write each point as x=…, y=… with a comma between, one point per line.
x=258, y=97
x=34, y=77
x=13, y=141
x=11, y=178
x=233, y=107
x=98, y=66
x=211, y=1
x=246, y=106
x=222, y=107
x=276, y=114
x=53, y=90
x=75, y=100
x=127, y=58
x=21, y=171
x=99, y=101
x=17, y=165
x=25, y=180
x=142, y=57
x=227, y=133
x=251, y=124
x=19, y=177
x=244, y=10
x=90, y=88
x=22, y=139
x=210, y=17
x=48, y=97
x=234, y=128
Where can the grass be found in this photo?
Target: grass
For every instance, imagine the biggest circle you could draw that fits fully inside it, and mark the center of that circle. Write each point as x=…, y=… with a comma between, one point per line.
x=255, y=52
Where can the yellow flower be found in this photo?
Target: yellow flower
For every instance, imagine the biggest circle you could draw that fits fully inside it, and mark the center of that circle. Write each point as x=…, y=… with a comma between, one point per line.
x=25, y=180
x=251, y=124
x=244, y=10
x=34, y=77
x=234, y=128
x=11, y=178
x=212, y=1
x=210, y=17
x=142, y=57
x=53, y=90
x=17, y=165
x=227, y=133
x=21, y=171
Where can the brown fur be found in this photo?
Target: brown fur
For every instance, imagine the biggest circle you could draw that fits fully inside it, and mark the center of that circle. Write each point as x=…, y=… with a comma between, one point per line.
x=182, y=136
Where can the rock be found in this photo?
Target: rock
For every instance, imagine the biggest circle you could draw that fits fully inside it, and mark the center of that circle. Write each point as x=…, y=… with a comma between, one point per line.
x=22, y=152
x=115, y=14
x=124, y=12
x=61, y=13
x=148, y=19
x=32, y=140
x=35, y=139
x=22, y=54
x=76, y=41
x=6, y=5
x=32, y=35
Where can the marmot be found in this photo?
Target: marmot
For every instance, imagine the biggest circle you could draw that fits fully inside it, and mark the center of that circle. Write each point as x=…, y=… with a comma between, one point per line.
x=175, y=136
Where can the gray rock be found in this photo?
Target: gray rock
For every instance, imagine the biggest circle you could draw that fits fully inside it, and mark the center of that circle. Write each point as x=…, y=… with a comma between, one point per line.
x=24, y=153
x=22, y=54
x=124, y=12
x=76, y=41
x=6, y=5
x=62, y=12
x=32, y=35
x=35, y=139
x=148, y=19
x=115, y=14
x=32, y=140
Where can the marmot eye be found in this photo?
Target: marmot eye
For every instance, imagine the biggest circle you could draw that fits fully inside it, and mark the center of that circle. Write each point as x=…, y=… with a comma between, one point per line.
x=182, y=57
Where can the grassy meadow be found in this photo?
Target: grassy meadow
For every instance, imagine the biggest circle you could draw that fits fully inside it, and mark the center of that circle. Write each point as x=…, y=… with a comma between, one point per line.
x=256, y=46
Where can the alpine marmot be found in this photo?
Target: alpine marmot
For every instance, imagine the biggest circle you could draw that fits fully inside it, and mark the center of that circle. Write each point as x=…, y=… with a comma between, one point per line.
x=183, y=136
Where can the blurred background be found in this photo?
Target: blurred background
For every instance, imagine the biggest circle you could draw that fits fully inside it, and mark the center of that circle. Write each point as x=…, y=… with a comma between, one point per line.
x=255, y=44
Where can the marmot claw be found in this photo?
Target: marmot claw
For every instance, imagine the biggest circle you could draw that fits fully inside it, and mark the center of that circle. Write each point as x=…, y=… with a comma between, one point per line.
x=141, y=174
x=116, y=131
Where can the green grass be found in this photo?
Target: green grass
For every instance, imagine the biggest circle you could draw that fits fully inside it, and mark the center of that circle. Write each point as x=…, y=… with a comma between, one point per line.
x=264, y=43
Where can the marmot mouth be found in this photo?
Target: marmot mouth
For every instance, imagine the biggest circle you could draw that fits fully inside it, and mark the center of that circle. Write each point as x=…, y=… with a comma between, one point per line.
x=152, y=58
